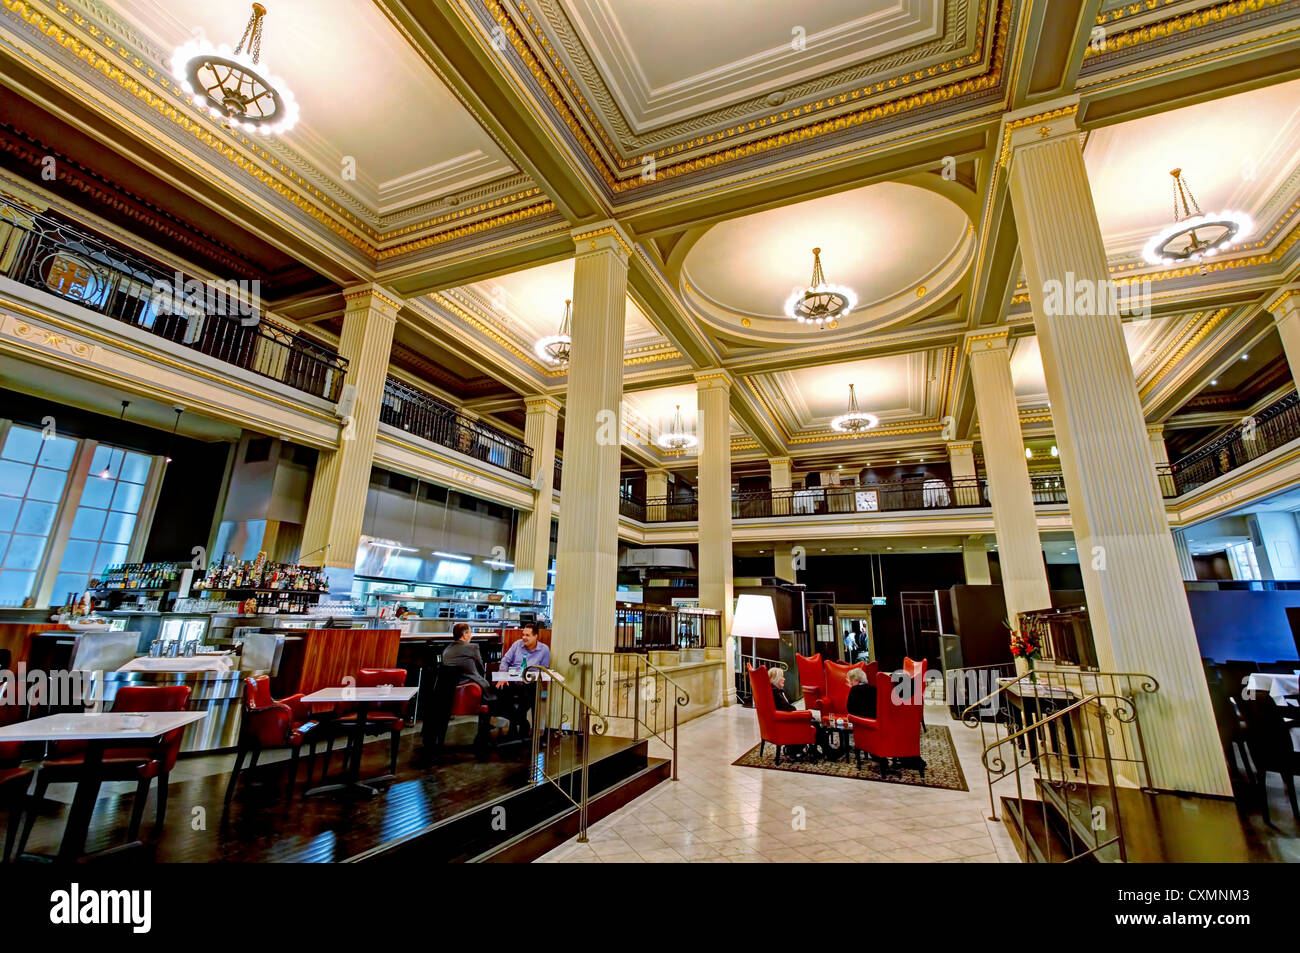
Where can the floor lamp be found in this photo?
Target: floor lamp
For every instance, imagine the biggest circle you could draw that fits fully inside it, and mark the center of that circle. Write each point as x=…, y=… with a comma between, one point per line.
x=754, y=618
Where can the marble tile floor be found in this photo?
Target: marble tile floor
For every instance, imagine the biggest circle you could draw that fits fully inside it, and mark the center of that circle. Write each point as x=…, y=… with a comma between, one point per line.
x=718, y=813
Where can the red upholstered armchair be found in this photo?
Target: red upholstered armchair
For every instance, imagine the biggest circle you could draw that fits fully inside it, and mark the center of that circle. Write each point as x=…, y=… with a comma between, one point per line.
x=272, y=723
x=777, y=727
x=812, y=678
x=141, y=765
x=917, y=671
x=895, y=732
x=835, y=699
x=391, y=718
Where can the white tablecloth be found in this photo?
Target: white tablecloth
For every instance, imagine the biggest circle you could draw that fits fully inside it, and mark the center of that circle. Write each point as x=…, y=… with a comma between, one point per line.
x=1277, y=686
x=935, y=493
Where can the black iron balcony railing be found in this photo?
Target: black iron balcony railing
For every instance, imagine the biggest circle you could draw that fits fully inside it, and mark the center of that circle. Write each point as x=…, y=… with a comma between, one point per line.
x=424, y=415
x=823, y=501
x=1255, y=436
x=219, y=319
x=631, y=507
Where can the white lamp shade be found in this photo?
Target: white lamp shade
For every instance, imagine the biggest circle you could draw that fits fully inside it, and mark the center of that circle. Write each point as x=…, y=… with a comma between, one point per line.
x=755, y=618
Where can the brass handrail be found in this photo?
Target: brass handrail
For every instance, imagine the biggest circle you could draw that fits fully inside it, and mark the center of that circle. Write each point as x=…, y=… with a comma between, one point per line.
x=641, y=667
x=1053, y=785
x=592, y=724
x=1148, y=684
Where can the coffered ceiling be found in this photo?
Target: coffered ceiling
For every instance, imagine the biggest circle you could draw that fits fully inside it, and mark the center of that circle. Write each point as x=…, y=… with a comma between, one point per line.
x=448, y=149
x=375, y=120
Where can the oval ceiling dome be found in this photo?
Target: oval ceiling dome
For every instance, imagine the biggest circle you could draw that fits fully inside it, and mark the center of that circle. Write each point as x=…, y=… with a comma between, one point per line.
x=884, y=241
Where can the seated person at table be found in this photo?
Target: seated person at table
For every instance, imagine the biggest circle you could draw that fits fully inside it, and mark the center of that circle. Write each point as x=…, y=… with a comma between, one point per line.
x=794, y=752
x=517, y=697
x=862, y=694
x=778, y=689
x=464, y=655
x=527, y=649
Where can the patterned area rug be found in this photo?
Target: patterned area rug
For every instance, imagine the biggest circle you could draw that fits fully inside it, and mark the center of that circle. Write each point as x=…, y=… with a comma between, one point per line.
x=942, y=769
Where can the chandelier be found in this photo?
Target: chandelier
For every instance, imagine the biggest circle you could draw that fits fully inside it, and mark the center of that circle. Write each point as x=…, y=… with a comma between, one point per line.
x=676, y=436
x=853, y=420
x=1194, y=234
x=821, y=302
x=231, y=85
x=554, y=348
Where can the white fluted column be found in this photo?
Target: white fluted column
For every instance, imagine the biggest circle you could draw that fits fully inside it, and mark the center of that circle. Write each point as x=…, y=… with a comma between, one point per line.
x=975, y=560
x=1136, y=601
x=332, y=528
x=656, y=488
x=1186, y=567
x=780, y=483
x=533, y=542
x=586, y=560
x=1020, y=554
x=714, y=491
x=1160, y=459
x=1285, y=307
x=961, y=461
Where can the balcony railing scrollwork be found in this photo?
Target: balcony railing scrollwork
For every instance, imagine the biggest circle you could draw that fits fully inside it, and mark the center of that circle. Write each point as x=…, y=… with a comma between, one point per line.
x=1256, y=435
x=423, y=415
x=221, y=319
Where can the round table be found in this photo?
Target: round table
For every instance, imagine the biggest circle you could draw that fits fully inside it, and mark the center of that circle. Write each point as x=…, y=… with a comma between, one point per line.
x=834, y=740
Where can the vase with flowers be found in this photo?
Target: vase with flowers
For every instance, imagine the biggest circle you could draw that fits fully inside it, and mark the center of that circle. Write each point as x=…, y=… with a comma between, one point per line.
x=1026, y=645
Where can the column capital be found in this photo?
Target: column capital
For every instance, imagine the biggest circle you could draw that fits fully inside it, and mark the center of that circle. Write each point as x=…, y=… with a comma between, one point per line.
x=960, y=447
x=778, y=461
x=602, y=236
x=657, y=471
x=1037, y=124
x=1285, y=302
x=371, y=297
x=714, y=377
x=1156, y=431
x=542, y=404
x=980, y=341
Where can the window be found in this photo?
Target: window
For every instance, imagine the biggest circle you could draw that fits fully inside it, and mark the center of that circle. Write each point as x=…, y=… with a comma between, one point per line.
x=1241, y=556
x=34, y=470
x=105, y=519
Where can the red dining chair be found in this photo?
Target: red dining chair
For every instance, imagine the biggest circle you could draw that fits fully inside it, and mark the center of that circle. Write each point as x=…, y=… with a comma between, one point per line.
x=895, y=733
x=835, y=698
x=917, y=671
x=777, y=727
x=140, y=764
x=272, y=723
x=812, y=678
x=383, y=717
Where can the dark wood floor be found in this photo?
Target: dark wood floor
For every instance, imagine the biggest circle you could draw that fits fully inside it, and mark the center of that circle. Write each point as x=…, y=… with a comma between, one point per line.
x=263, y=824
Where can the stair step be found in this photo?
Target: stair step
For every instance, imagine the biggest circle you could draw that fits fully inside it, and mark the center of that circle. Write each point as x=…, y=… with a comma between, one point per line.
x=1040, y=844
x=554, y=831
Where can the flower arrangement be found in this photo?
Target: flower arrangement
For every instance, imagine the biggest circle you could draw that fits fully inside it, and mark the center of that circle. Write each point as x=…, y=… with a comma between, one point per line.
x=1026, y=645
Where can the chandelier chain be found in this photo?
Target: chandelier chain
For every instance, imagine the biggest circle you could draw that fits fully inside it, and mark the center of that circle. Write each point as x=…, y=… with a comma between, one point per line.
x=253, y=33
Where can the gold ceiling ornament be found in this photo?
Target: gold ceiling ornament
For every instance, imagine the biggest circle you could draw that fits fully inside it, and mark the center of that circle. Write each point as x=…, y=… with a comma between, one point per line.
x=1194, y=234
x=676, y=438
x=554, y=348
x=232, y=85
x=853, y=420
x=821, y=301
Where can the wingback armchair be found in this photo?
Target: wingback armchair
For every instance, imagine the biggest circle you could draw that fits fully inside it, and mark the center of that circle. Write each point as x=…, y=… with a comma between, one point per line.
x=895, y=733
x=777, y=727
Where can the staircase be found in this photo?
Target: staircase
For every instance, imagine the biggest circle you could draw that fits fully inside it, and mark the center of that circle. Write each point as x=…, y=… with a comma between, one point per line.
x=1069, y=743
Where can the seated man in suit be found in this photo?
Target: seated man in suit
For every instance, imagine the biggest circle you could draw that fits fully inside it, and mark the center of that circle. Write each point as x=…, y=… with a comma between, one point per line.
x=862, y=694
x=460, y=662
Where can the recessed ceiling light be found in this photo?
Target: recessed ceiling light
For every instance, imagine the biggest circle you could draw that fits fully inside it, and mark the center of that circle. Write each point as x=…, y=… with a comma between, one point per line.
x=1214, y=382
x=855, y=549
x=1245, y=357
x=925, y=547
x=823, y=549
x=889, y=547
x=1029, y=453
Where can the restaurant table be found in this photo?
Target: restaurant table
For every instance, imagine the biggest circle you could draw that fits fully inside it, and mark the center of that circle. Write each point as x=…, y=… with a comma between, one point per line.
x=100, y=731
x=935, y=493
x=504, y=676
x=365, y=699
x=1278, y=687
x=835, y=728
